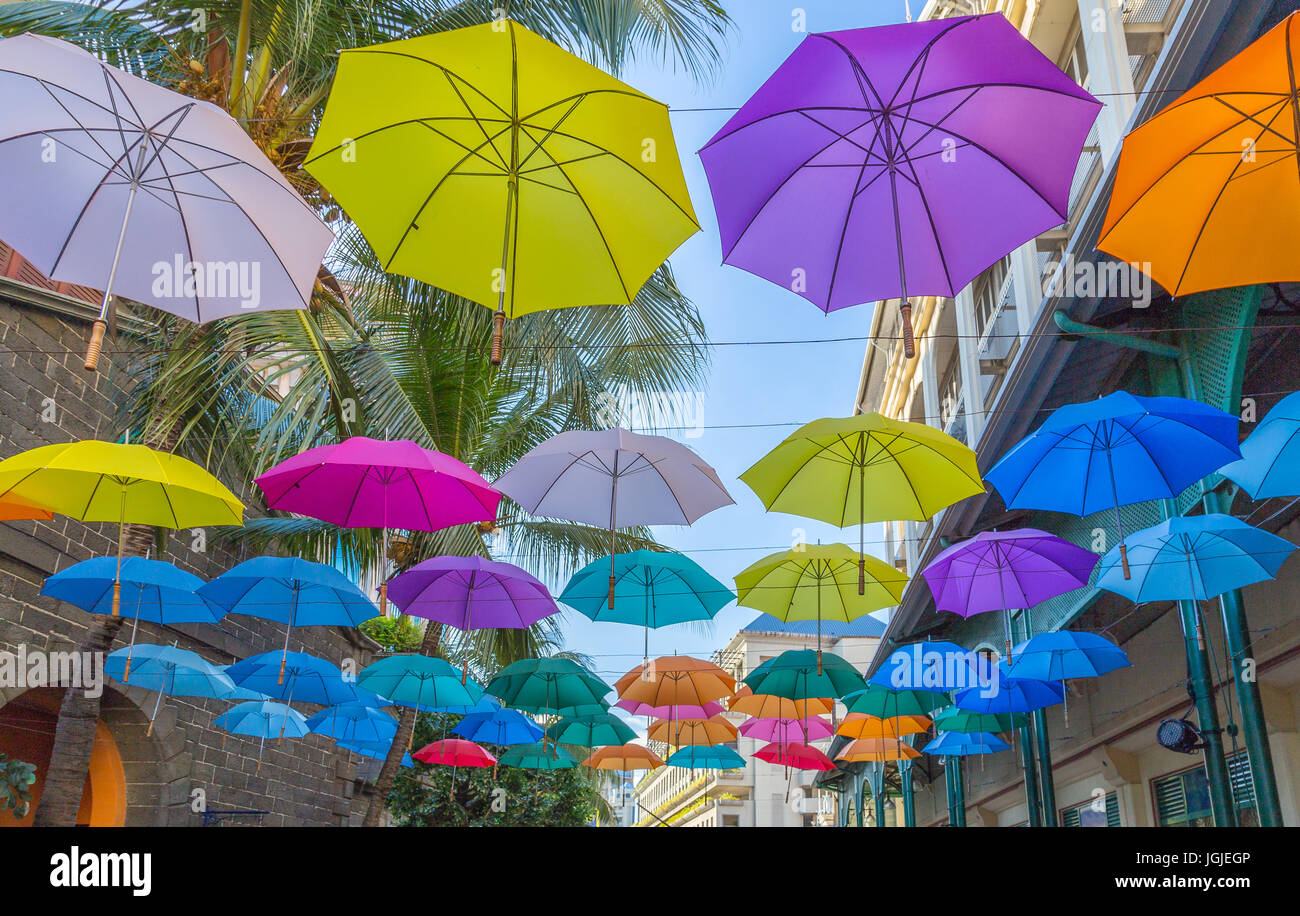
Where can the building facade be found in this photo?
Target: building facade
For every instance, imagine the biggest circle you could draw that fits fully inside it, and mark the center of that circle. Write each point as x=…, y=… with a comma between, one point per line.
x=1018, y=343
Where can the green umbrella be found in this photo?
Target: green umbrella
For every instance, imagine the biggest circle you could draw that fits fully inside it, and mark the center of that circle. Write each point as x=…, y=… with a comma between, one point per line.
x=537, y=756
x=548, y=686
x=953, y=719
x=885, y=703
x=591, y=731
x=802, y=674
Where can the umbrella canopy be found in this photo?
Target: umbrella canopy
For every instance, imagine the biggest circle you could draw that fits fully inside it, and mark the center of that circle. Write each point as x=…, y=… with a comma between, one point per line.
x=537, y=757
x=786, y=731
x=798, y=674
x=591, y=731
x=354, y=722
x=377, y=750
x=795, y=755
x=651, y=589
x=420, y=682
x=1066, y=654
x=168, y=670
x=702, y=711
x=15, y=508
x=1010, y=694
x=863, y=161
x=150, y=589
x=953, y=719
x=861, y=725
x=767, y=706
x=713, y=757
x=1001, y=570
x=933, y=665
x=697, y=732
x=472, y=593
x=498, y=726
x=887, y=704
x=455, y=752
x=877, y=750
x=533, y=189
x=155, y=196
x=306, y=679
x=964, y=744
x=623, y=757
x=548, y=686
x=263, y=719
x=1270, y=456
x=1116, y=450
x=1188, y=199
x=1196, y=557
x=674, y=680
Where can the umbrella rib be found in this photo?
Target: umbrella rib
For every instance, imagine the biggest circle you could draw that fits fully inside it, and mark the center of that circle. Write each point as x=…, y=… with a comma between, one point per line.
x=180, y=211
x=839, y=248
x=422, y=60
x=477, y=122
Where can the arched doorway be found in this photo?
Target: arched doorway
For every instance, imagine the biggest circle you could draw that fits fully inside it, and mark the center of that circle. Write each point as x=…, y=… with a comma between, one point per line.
x=27, y=733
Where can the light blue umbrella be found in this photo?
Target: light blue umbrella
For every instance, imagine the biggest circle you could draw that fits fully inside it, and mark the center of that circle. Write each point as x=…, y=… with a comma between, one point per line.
x=499, y=726
x=1114, y=451
x=292, y=591
x=263, y=720
x=237, y=693
x=1195, y=558
x=1065, y=654
x=1270, y=456
x=377, y=750
x=965, y=744
x=697, y=757
x=1008, y=694
x=354, y=722
x=298, y=676
x=167, y=670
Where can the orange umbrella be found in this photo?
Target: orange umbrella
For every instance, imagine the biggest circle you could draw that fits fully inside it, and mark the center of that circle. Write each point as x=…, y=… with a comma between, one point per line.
x=767, y=706
x=675, y=680
x=877, y=750
x=692, y=732
x=862, y=725
x=15, y=508
x=623, y=757
x=1207, y=192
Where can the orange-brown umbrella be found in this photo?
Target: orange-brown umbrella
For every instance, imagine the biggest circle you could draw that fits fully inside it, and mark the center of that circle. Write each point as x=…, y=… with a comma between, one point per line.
x=623, y=757
x=767, y=706
x=675, y=680
x=877, y=750
x=15, y=508
x=862, y=725
x=692, y=732
x=1207, y=192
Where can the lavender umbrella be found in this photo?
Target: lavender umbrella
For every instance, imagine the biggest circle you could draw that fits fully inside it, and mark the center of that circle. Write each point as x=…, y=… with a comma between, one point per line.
x=471, y=593
x=1000, y=570
x=904, y=158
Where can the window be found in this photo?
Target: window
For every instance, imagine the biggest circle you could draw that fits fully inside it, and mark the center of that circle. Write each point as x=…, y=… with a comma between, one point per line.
x=1183, y=799
x=1088, y=815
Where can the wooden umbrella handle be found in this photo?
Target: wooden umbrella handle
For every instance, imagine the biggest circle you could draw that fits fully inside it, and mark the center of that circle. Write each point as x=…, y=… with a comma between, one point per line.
x=498, y=330
x=95, y=344
x=1123, y=559
x=909, y=342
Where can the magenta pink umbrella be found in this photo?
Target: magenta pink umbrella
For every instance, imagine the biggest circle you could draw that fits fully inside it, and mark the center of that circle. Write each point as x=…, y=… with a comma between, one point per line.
x=372, y=483
x=785, y=731
x=795, y=754
x=675, y=713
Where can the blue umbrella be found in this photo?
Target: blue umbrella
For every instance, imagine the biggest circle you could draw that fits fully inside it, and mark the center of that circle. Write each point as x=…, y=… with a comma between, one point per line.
x=1066, y=654
x=168, y=670
x=354, y=722
x=499, y=726
x=299, y=676
x=1113, y=451
x=262, y=720
x=1195, y=558
x=935, y=665
x=1270, y=456
x=377, y=750
x=290, y=590
x=159, y=592
x=964, y=744
x=237, y=693
x=1008, y=694
x=696, y=757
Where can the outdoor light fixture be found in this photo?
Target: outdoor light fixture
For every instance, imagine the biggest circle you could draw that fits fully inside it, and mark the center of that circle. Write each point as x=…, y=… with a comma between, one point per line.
x=1179, y=735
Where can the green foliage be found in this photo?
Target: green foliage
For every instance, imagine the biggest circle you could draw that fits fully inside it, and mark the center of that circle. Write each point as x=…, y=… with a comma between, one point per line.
x=425, y=795
x=396, y=634
x=16, y=780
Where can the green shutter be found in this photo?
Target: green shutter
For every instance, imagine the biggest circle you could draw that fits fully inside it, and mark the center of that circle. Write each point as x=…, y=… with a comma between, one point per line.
x=1112, y=810
x=1243, y=785
x=1070, y=817
x=1171, y=800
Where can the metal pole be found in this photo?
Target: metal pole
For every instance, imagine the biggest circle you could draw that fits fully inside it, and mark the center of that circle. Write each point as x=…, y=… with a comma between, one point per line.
x=959, y=790
x=952, y=796
x=1045, y=782
x=909, y=800
x=1031, y=778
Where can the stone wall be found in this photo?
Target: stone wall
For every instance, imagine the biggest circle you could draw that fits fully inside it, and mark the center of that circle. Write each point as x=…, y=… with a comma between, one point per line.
x=47, y=397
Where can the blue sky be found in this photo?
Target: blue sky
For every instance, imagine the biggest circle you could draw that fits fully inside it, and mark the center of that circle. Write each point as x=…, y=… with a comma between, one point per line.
x=787, y=384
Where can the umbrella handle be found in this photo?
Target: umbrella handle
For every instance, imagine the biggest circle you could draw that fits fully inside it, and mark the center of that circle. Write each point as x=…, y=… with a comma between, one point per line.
x=498, y=328
x=862, y=575
x=117, y=599
x=94, y=345
x=126, y=672
x=909, y=343
x=1123, y=559
x=612, y=580
x=383, y=599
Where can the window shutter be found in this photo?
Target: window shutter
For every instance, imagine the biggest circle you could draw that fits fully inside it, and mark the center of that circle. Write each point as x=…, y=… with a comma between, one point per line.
x=1171, y=800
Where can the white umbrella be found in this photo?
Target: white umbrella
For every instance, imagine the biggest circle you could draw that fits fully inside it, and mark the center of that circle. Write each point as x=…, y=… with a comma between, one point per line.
x=115, y=182
x=616, y=478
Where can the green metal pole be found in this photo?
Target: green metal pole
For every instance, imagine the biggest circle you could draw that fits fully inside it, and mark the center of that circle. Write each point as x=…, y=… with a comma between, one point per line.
x=909, y=802
x=859, y=784
x=952, y=794
x=1046, y=784
x=959, y=789
x=1207, y=714
x=1254, y=731
x=1031, y=779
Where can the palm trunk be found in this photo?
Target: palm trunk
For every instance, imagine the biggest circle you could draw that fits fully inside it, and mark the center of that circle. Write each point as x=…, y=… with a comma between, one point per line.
x=74, y=735
x=405, y=728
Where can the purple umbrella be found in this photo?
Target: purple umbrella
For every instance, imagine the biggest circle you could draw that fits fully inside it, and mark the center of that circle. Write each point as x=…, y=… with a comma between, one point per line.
x=1000, y=570
x=784, y=731
x=880, y=161
x=372, y=483
x=614, y=478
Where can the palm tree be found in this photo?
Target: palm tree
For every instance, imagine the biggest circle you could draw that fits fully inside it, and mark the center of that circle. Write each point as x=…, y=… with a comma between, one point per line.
x=373, y=353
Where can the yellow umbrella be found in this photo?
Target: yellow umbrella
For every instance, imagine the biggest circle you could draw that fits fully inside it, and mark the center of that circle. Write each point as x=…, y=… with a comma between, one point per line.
x=491, y=163
x=877, y=750
x=95, y=481
x=862, y=725
x=863, y=469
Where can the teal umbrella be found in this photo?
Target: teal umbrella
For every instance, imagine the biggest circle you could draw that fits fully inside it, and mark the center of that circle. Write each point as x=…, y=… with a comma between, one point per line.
x=591, y=731
x=716, y=757
x=884, y=703
x=964, y=721
x=538, y=756
x=799, y=674
x=419, y=681
x=548, y=686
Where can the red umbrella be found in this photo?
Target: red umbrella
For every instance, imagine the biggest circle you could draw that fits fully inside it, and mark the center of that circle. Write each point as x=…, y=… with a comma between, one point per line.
x=794, y=754
x=455, y=752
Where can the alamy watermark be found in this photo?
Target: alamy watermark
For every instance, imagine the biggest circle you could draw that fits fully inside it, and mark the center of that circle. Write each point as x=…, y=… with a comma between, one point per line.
x=1074, y=279
x=27, y=669
x=182, y=279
